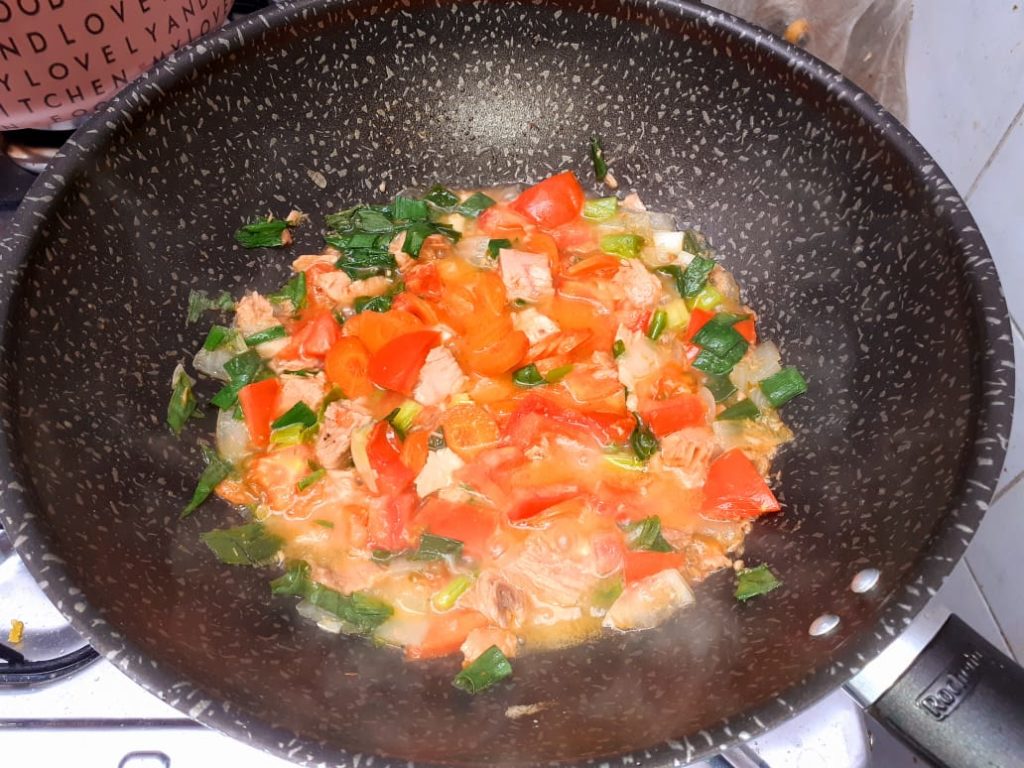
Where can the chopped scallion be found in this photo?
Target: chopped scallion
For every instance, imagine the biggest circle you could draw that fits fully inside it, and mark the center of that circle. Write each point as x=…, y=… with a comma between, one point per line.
x=490, y=667
x=783, y=386
x=528, y=376
x=624, y=245
x=200, y=302
x=744, y=409
x=597, y=157
x=643, y=441
x=409, y=209
x=293, y=291
x=494, y=246
x=433, y=547
x=694, y=242
x=751, y=582
x=414, y=237
x=707, y=299
x=359, y=611
x=402, y=418
x=262, y=234
x=696, y=276
x=293, y=434
x=441, y=197
x=618, y=348
x=600, y=209
x=659, y=321
x=267, y=334
x=626, y=461
x=216, y=471
x=300, y=414
x=182, y=405
x=646, y=535
x=721, y=387
x=311, y=479
x=557, y=374
x=294, y=581
x=217, y=337
x=717, y=335
x=474, y=205
x=249, y=544
x=720, y=365
x=444, y=599
x=372, y=303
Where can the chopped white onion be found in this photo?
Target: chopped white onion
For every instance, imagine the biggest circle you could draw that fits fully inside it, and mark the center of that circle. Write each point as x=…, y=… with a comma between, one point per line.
x=663, y=221
x=474, y=250
x=232, y=436
x=758, y=364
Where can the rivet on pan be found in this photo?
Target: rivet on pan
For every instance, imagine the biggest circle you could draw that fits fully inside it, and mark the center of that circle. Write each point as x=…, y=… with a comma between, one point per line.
x=865, y=581
x=823, y=625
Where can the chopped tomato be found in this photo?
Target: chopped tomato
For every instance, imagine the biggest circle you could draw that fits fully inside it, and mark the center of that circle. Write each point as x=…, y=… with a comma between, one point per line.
x=497, y=356
x=735, y=490
x=435, y=247
x=552, y=202
x=698, y=319
x=468, y=429
x=314, y=336
x=346, y=365
x=415, y=450
x=501, y=222
x=236, y=492
x=534, y=414
x=414, y=305
x=527, y=502
x=259, y=406
x=375, y=329
x=397, y=364
x=560, y=343
x=538, y=242
x=641, y=564
x=472, y=524
x=384, y=450
x=578, y=233
x=603, y=264
x=746, y=329
x=422, y=280
x=388, y=522
x=667, y=416
x=445, y=634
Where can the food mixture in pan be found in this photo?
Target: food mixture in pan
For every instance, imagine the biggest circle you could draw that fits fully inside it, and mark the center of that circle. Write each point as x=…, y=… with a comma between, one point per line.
x=480, y=422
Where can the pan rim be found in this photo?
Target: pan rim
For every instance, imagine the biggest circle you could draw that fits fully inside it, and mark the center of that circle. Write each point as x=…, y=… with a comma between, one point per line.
x=993, y=377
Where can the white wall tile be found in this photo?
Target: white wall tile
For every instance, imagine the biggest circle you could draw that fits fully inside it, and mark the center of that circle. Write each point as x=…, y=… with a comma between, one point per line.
x=994, y=557
x=962, y=595
x=998, y=206
x=965, y=79
x=1013, y=466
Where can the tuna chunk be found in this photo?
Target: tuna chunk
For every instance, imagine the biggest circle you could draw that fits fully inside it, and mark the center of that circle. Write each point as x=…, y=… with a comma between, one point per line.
x=535, y=325
x=527, y=276
x=335, y=439
x=482, y=638
x=440, y=377
x=647, y=603
x=437, y=472
x=254, y=313
x=306, y=389
x=688, y=454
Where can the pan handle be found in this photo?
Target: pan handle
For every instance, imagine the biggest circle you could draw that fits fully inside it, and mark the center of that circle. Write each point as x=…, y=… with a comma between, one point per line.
x=960, y=702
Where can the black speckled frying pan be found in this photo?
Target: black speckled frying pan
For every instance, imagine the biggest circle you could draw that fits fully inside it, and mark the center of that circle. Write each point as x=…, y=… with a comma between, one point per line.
x=853, y=246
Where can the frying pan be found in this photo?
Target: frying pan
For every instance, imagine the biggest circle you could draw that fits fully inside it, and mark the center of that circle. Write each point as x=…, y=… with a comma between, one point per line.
x=856, y=251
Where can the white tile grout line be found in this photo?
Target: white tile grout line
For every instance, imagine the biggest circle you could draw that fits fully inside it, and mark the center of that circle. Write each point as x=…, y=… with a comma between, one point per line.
x=999, y=145
x=991, y=613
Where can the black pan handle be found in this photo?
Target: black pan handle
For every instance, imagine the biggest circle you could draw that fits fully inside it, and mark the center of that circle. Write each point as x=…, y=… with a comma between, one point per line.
x=17, y=671
x=960, y=702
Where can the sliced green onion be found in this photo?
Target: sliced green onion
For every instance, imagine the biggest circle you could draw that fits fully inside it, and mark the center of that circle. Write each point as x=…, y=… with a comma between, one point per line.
x=676, y=273
x=720, y=365
x=385, y=555
x=293, y=291
x=294, y=581
x=414, y=237
x=293, y=434
x=707, y=299
x=324, y=523
x=646, y=535
x=403, y=417
x=783, y=386
x=216, y=471
x=261, y=234
x=659, y=321
x=643, y=441
x=696, y=276
x=751, y=582
x=300, y=413
x=217, y=337
x=721, y=387
x=607, y=592
x=557, y=374
x=182, y=405
x=744, y=409
x=626, y=461
x=359, y=611
x=372, y=303
x=624, y=245
x=444, y=599
x=677, y=313
x=597, y=157
x=528, y=376
x=694, y=242
x=311, y=479
x=717, y=335
x=494, y=246
x=474, y=205
x=433, y=547
x=441, y=197
x=618, y=348
x=241, y=370
x=490, y=667
x=248, y=544
x=199, y=302
x=409, y=209
x=267, y=334
x=600, y=209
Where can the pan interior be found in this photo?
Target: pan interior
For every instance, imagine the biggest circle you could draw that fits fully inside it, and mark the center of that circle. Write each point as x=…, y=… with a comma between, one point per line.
x=829, y=229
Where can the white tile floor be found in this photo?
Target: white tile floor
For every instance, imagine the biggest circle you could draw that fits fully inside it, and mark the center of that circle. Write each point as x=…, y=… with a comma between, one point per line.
x=965, y=78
